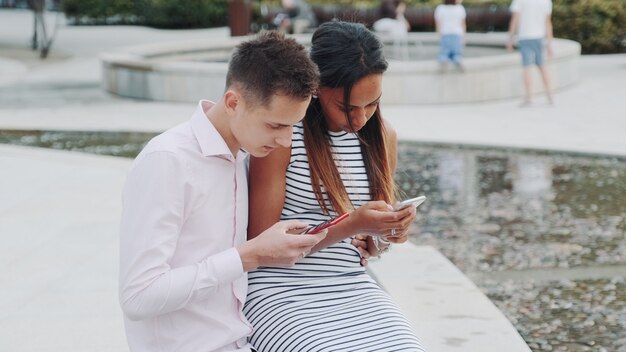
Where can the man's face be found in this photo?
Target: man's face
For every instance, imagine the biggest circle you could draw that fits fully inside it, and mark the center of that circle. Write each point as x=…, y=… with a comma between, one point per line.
x=260, y=129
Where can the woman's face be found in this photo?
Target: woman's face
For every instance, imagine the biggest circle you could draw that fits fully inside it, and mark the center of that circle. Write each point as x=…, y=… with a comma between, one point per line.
x=364, y=99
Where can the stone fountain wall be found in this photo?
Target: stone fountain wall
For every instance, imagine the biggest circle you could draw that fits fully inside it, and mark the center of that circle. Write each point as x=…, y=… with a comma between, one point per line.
x=193, y=70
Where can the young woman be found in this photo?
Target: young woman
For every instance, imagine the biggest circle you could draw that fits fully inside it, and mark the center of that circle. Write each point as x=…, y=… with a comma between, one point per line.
x=342, y=159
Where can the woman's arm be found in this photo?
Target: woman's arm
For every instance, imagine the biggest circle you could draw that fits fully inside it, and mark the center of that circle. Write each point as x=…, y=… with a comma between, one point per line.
x=266, y=189
x=372, y=218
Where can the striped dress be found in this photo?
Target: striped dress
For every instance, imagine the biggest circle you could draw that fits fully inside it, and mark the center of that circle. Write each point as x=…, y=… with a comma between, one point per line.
x=327, y=301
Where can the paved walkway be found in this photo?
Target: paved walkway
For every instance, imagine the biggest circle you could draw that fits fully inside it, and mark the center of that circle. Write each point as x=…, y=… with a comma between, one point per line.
x=58, y=218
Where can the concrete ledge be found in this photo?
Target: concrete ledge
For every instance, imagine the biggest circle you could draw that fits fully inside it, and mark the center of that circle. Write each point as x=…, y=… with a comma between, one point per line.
x=190, y=70
x=448, y=312
x=59, y=253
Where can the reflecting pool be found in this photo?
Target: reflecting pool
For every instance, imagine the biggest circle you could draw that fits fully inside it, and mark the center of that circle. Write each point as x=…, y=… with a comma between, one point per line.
x=543, y=234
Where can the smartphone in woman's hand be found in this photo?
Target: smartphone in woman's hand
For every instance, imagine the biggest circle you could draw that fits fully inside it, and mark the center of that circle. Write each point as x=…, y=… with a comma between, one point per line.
x=409, y=202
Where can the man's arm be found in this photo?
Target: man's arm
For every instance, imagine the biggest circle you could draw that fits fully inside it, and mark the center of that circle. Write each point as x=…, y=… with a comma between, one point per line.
x=549, y=35
x=152, y=218
x=512, y=30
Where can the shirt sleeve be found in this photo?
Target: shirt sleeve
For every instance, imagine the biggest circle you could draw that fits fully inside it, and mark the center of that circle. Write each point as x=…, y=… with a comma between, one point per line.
x=152, y=218
x=438, y=13
x=515, y=6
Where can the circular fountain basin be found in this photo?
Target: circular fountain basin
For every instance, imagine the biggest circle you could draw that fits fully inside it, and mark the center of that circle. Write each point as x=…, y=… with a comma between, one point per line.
x=191, y=70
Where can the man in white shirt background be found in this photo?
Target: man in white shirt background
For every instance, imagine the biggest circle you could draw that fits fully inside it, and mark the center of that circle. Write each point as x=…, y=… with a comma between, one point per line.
x=532, y=20
x=183, y=249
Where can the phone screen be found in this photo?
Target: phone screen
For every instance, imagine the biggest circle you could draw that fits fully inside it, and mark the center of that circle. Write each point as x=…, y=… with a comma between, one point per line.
x=408, y=202
x=322, y=225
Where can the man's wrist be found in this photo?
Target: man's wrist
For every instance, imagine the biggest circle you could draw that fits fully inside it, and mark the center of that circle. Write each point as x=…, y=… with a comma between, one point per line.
x=249, y=258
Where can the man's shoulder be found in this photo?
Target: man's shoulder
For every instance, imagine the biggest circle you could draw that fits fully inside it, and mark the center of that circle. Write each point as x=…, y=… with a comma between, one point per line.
x=172, y=140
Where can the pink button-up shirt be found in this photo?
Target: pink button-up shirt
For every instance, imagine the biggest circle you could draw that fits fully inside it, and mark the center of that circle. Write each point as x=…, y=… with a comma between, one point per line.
x=185, y=208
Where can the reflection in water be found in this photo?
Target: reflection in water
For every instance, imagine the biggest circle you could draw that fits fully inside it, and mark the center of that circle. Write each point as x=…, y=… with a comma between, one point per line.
x=504, y=216
x=125, y=144
x=497, y=211
x=505, y=209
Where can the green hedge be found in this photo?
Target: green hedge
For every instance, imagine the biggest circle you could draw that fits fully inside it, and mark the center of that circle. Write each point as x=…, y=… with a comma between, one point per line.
x=155, y=13
x=598, y=25
x=99, y=11
x=184, y=13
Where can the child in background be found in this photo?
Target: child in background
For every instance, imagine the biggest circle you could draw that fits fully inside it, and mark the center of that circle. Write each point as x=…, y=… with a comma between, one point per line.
x=450, y=24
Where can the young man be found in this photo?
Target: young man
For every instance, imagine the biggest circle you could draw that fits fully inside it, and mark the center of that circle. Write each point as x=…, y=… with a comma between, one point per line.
x=183, y=249
x=533, y=19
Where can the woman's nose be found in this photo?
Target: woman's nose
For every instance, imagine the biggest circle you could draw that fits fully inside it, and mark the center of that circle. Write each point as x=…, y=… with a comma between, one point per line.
x=359, y=118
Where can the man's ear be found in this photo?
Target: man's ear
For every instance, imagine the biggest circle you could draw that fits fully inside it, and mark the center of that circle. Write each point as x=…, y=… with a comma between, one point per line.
x=232, y=99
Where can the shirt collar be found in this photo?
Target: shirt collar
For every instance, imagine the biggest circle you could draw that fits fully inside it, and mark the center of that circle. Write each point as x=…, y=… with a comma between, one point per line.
x=210, y=140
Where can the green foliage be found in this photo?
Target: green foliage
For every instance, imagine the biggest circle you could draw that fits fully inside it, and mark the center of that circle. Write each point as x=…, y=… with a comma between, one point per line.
x=98, y=11
x=410, y=3
x=598, y=25
x=156, y=13
x=183, y=14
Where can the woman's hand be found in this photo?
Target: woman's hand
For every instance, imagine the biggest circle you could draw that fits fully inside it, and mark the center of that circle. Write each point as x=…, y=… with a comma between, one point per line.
x=378, y=218
x=401, y=233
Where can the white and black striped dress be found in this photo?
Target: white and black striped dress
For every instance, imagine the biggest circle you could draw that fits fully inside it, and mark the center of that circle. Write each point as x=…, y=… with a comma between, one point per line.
x=327, y=301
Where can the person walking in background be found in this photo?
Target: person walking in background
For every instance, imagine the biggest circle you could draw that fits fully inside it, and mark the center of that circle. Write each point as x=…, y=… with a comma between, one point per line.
x=391, y=21
x=532, y=20
x=342, y=160
x=450, y=24
x=391, y=18
x=296, y=18
x=183, y=249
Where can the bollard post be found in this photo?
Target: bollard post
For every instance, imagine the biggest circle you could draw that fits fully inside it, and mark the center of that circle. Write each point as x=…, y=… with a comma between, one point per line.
x=239, y=17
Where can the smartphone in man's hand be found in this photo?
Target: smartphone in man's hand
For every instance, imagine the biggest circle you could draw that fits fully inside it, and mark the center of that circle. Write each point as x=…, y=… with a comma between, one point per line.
x=324, y=225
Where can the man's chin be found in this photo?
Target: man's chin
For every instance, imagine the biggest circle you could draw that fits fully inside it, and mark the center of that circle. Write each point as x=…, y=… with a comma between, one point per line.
x=261, y=152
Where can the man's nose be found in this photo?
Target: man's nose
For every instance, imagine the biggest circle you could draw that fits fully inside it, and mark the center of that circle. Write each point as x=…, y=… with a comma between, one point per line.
x=284, y=140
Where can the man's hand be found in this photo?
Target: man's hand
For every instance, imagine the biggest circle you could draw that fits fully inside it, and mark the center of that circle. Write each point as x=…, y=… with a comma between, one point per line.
x=549, y=50
x=276, y=246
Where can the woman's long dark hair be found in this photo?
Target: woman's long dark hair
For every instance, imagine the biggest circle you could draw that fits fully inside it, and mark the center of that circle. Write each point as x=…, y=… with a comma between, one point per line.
x=345, y=53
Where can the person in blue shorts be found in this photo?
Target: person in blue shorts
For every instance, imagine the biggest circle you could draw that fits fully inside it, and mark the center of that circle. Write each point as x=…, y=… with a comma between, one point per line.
x=450, y=23
x=532, y=21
